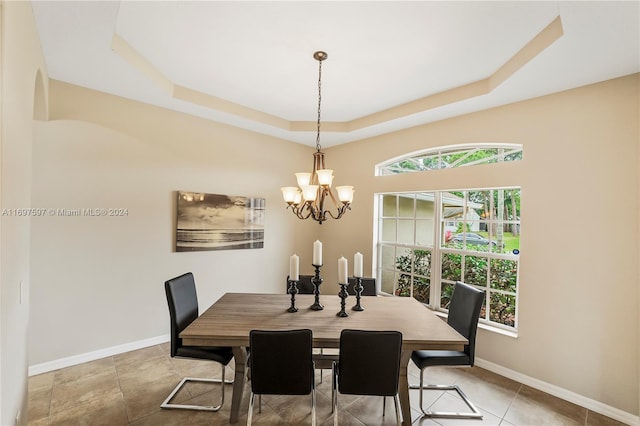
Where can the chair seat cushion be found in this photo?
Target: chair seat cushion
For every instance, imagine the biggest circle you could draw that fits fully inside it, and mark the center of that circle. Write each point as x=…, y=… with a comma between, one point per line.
x=423, y=359
x=223, y=355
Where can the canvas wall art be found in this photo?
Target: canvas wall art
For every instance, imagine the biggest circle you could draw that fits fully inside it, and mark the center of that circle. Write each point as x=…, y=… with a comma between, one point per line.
x=219, y=222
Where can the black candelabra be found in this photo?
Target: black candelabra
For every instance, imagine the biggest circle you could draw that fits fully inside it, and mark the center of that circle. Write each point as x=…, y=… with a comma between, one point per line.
x=293, y=290
x=358, y=288
x=343, y=297
x=316, y=281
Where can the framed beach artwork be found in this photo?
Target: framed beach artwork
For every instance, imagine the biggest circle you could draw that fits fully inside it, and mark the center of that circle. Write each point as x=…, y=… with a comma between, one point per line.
x=218, y=222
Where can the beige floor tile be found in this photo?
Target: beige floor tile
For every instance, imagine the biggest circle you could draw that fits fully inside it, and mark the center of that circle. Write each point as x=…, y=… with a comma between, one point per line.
x=179, y=418
x=106, y=411
x=81, y=371
x=140, y=355
x=88, y=390
x=41, y=382
x=144, y=399
x=134, y=375
x=38, y=404
x=596, y=419
x=39, y=422
x=488, y=391
x=127, y=389
x=532, y=406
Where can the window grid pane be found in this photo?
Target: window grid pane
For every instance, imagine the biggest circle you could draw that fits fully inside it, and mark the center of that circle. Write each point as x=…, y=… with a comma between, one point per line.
x=479, y=234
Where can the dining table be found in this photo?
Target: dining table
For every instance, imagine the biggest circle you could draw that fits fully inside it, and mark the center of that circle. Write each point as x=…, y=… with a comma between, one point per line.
x=230, y=319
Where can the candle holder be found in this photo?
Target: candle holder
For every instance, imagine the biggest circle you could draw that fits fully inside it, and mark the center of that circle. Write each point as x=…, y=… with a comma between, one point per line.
x=316, y=281
x=293, y=290
x=358, y=288
x=343, y=297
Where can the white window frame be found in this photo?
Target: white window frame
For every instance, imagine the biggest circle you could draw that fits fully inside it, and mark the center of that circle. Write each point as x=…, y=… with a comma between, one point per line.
x=437, y=251
x=505, y=150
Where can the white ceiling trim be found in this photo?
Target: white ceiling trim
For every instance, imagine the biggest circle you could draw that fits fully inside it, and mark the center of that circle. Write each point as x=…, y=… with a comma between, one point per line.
x=552, y=32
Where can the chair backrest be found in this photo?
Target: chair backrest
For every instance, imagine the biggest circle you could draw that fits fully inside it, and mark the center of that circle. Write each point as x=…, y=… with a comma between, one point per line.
x=369, y=362
x=305, y=286
x=183, y=306
x=368, y=284
x=281, y=362
x=464, y=313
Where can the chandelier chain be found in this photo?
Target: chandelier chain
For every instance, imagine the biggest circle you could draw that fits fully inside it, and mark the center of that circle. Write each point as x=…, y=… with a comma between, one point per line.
x=319, y=104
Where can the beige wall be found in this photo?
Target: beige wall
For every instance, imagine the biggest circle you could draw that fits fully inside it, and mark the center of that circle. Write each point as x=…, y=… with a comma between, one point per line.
x=23, y=95
x=578, y=300
x=101, y=278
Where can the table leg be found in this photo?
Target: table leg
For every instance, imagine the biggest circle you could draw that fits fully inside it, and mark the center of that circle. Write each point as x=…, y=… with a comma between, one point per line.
x=403, y=388
x=240, y=360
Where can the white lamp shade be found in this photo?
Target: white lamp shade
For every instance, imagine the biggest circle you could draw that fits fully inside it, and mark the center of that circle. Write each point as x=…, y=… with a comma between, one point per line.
x=345, y=193
x=325, y=176
x=303, y=179
x=290, y=193
x=309, y=192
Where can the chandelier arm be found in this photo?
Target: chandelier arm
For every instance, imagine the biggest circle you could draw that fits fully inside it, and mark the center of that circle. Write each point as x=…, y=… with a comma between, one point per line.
x=322, y=193
x=313, y=210
x=340, y=207
x=341, y=211
x=299, y=212
x=333, y=198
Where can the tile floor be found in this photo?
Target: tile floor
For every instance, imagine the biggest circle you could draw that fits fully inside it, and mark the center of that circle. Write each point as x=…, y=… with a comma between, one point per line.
x=127, y=389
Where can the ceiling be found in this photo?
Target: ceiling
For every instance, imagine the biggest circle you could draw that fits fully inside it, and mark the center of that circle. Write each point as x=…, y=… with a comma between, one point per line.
x=391, y=65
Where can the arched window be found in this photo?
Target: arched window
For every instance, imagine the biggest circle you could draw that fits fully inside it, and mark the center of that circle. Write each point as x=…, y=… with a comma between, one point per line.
x=448, y=157
x=426, y=241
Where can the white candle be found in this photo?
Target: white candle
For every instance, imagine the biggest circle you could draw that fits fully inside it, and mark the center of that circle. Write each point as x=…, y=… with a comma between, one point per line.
x=343, y=267
x=294, y=267
x=357, y=265
x=317, y=253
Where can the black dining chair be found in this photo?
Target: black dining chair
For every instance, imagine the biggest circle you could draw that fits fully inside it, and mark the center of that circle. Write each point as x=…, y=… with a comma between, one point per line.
x=305, y=286
x=183, y=309
x=464, y=313
x=281, y=364
x=324, y=359
x=368, y=364
x=368, y=284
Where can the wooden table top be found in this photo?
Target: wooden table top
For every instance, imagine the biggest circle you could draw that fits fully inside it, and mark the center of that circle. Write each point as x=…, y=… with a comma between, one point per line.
x=229, y=321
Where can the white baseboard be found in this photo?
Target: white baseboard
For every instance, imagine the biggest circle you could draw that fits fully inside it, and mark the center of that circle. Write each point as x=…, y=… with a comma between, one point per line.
x=92, y=356
x=583, y=401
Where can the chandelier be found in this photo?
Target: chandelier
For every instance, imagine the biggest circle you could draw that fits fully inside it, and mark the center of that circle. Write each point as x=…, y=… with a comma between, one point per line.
x=313, y=198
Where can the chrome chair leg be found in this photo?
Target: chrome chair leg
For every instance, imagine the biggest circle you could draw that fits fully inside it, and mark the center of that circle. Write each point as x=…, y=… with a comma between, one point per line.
x=252, y=399
x=334, y=394
x=396, y=402
x=474, y=414
x=313, y=406
x=250, y=413
x=168, y=405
